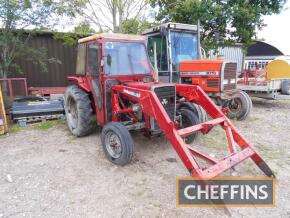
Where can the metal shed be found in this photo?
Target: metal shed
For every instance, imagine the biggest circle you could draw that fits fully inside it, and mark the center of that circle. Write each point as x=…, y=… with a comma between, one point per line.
x=57, y=73
x=231, y=53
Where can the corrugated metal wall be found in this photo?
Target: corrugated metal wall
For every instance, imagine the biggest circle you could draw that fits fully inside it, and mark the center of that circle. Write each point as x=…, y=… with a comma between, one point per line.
x=57, y=73
x=232, y=53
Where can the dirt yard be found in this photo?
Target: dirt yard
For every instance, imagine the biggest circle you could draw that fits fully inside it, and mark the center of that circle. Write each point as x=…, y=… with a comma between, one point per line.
x=46, y=172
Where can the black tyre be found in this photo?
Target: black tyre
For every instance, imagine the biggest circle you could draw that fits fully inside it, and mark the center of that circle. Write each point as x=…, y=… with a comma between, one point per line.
x=250, y=103
x=78, y=111
x=117, y=143
x=285, y=87
x=188, y=118
x=196, y=109
x=201, y=113
x=239, y=107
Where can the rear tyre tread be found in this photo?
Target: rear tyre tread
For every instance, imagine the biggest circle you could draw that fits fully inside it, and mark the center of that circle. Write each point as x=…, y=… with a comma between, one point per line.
x=84, y=110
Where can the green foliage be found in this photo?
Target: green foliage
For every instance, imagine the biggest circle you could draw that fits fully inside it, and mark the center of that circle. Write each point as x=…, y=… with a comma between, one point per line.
x=130, y=26
x=133, y=26
x=46, y=125
x=234, y=21
x=15, y=17
x=68, y=39
x=71, y=38
x=15, y=128
x=84, y=29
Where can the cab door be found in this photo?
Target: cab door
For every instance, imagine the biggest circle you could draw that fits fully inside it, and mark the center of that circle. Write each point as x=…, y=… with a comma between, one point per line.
x=93, y=71
x=162, y=57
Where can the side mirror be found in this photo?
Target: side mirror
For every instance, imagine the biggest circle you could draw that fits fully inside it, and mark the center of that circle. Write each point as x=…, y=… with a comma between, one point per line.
x=109, y=60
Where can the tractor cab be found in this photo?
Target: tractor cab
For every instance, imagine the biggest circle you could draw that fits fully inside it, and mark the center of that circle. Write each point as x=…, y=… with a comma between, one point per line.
x=175, y=43
x=104, y=60
x=118, y=56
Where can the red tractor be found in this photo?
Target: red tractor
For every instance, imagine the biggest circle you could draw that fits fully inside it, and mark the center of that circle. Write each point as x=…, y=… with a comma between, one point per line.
x=115, y=81
x=179, y=59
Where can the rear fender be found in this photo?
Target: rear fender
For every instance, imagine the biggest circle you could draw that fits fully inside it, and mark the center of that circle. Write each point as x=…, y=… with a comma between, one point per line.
x=81, y=81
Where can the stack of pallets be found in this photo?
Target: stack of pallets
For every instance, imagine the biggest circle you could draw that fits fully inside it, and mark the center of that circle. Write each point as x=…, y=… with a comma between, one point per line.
x=3, y=119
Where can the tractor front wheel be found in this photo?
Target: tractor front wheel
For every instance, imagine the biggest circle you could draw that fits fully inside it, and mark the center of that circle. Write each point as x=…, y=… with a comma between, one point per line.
x=188, y=118
x=78, y=111
x=239, y=107
x=117, y=143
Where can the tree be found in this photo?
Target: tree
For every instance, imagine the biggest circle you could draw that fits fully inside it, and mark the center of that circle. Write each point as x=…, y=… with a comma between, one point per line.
x=107, y=15
x=70, y=38
x=133, y=26
x=224, y=22
x=15, y=17
x=84, y=29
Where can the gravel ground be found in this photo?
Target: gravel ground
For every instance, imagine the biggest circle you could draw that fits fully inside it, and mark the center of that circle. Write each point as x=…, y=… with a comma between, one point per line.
x=49, y=173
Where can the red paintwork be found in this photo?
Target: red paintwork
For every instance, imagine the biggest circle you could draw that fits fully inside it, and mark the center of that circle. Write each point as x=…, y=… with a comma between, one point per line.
x=131, y=87
x=253, y=77
x=152, y=107
x=139, y=85
x=82, y=81
x=47, y=90
x=202, y=66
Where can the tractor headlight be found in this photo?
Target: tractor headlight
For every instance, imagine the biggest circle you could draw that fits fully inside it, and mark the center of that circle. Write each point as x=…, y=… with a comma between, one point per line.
x=137, y=111
x=136, y=108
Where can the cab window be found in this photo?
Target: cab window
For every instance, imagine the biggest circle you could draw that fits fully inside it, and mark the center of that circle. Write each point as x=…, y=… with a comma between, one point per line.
x=93, y=59
x=81, y=57
x=161, y=47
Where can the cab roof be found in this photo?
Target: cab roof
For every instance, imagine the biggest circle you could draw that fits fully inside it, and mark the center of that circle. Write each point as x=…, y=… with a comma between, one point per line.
x=111, y=36
x=172, y=26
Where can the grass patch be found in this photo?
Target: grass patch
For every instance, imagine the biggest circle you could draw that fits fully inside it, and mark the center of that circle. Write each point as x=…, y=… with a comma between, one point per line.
x=44, y=126
x=14, y=128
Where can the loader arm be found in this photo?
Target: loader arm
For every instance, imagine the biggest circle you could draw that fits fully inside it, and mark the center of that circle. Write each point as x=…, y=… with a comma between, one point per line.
x=151, y=106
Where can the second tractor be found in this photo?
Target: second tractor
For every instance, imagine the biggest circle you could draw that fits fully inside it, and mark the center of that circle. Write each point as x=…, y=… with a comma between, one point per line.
x=176, y=49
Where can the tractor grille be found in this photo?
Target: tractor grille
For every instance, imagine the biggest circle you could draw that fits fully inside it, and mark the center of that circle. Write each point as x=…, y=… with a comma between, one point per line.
x=230, y=74
x=212, y=83
x=167, y=97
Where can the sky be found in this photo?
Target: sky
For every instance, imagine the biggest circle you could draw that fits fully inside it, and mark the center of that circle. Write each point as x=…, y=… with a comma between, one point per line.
x=277, y=30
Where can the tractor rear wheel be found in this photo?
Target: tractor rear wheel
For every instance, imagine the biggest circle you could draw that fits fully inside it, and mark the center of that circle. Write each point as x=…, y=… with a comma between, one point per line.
x=188, y=118
x=117, y=143
x=78, y=111
x=239, y=107
x=285, y=87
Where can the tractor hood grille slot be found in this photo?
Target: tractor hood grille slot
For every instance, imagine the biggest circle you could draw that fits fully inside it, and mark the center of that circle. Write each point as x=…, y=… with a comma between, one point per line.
x=230, y=75
x=167, y=97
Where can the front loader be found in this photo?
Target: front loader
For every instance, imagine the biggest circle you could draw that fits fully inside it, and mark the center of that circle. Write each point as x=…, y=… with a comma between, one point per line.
x=115, y=81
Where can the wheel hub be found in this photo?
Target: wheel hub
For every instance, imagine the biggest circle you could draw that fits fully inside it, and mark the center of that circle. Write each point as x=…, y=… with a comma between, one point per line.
x=235, y=105
x=113, y=145
x=72, y=113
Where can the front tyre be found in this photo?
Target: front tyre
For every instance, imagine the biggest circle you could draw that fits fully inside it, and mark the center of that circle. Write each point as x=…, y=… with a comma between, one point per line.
x=78, y=111
x=188, y=118
x=239, y=107
x=117, y=143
